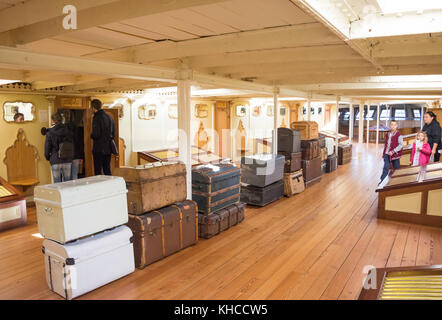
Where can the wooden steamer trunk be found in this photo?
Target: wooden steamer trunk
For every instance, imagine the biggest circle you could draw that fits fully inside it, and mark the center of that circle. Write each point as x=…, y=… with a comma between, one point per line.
x=215, y=187
x=163, y=232
x=324, y=154
x=310, y=149
x=309, y=129
x=261, y=197
x=289, y=140
x=70, y=210
x=293, y=183
x=344, y=154
x=212, y=224
x=262, y=170
x=312, y=171
x=154, y=185
x=292, y=161
x=81, y=266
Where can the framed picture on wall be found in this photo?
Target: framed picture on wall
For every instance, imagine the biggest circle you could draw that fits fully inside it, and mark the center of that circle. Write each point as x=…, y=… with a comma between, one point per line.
x=201, y=110
x=256, y=111
x=304, y=111
x=241, y=111
x=320, y=110
x=147, y=112
x=269, y=111
x=173, y=111
x=282, y=111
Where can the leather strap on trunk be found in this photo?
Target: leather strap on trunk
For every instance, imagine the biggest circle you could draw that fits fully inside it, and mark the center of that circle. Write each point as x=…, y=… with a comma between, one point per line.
x=162, y=232
x=181, y=225
x=211, y=194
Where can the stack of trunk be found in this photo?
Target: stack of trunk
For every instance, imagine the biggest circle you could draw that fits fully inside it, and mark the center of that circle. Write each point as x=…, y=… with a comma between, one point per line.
x=332, y=159
x=289, y=145
x=311, y=151
x=216, y=190
x=86, y=243
x=262, y=179
x=163, y=222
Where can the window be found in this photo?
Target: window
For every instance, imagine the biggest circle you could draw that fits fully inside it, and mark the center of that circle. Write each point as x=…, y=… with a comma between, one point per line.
x=304, y=111
x=400, y=114
x=385, y=114
x=417, y=114
x=357, y=115
x=347, y=115
x=312, y=111
x=370, y=115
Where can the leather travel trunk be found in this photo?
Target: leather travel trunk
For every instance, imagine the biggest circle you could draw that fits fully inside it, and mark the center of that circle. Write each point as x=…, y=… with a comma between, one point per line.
x=310, y=149
x=292, y=161
x=311, y=170
x=212, y=224
x=321, y=139
x=293, y=183
x=160, y=233
x=262, y=169
x=332, y=163
x=344, y=154
x=324, y=154
x=154, y=185
x=289, y=140
x=215, y=187
x=309, y=129
x=262, y=196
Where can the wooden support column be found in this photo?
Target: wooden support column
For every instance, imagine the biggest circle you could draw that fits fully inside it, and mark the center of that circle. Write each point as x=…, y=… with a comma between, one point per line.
x=352, y=123
x=387, y=122
x=338, y=99
x=368, y=122
x=184, y=127
x=378, y=116
x=361, y=124
x=309, y=106
x=51, y=108
x=422, y=116
x=275, y=121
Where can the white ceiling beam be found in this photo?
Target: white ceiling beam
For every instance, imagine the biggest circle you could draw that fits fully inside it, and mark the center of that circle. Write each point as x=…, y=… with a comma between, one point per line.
x=373, y=85
x=16, y=58
x=107, y=12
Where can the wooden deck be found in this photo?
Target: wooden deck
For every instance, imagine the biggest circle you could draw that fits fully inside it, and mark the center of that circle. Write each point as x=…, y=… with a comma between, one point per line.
x=311, y=246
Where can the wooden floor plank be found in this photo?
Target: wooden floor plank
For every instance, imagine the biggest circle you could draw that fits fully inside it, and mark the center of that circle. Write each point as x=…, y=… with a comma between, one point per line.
x=311, y=246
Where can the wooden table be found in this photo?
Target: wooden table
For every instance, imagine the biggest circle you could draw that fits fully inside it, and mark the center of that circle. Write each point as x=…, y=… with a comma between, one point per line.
x=12, y=206
x=412, y=194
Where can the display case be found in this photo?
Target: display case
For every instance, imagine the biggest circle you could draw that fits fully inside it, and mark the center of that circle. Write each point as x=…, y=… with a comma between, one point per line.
x=12, y=206
x=199, y=156
x=412, y=194
x=403, y=283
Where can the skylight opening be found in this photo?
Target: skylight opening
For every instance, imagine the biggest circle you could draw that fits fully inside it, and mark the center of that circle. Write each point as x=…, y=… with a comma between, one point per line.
x=400, y=6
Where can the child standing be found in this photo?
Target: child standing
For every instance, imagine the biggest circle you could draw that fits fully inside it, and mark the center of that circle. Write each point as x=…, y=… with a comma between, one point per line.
x=392, y=149
x=421, y=152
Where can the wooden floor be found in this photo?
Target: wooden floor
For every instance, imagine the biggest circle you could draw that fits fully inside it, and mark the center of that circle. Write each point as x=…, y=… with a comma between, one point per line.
x=311, y=246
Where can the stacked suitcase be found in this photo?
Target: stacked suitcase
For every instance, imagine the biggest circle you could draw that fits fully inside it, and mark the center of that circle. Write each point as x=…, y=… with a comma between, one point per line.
x=216, y=190
x=162, y=221
x=262, y=179
x=311, y=151
x=86, y=243
x=289, y=145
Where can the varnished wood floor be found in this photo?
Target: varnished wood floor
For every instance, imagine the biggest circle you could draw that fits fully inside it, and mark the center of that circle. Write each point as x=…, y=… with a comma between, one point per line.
x=311, y=246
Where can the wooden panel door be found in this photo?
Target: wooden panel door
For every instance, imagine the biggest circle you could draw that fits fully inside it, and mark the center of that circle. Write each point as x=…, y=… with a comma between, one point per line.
x=222, y=122
x=293, y=113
